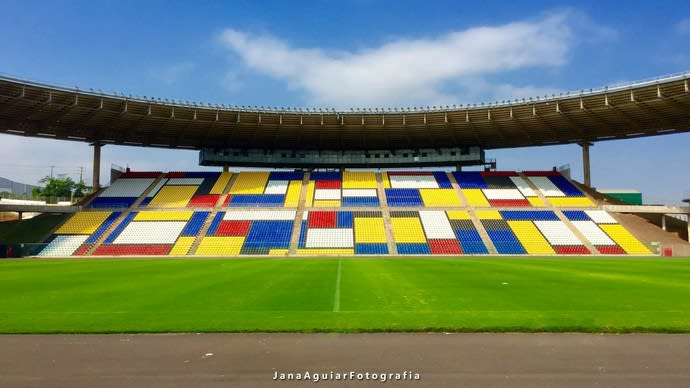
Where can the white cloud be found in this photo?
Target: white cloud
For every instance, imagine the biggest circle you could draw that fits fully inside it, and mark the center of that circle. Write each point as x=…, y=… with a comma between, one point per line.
x=414, y=71
x=172, y=73
x=683, y=27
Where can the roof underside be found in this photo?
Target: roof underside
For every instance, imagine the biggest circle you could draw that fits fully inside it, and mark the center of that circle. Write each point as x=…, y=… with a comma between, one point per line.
x=649, y=109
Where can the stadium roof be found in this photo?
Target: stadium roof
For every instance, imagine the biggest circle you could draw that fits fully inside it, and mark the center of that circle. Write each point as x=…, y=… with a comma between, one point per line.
x=639, y=109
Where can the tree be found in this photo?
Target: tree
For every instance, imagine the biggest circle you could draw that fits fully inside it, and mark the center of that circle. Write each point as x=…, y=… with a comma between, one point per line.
x=61, y=188
x=80, y=189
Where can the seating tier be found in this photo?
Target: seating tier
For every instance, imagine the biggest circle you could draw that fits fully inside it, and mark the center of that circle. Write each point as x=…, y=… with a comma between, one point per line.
x=254, y=213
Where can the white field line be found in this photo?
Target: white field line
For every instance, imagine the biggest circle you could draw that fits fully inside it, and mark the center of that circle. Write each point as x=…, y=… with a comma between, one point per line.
x=336, y=296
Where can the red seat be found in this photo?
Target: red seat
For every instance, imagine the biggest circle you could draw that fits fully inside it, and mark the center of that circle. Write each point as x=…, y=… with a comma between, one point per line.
x=123, y=250
x=233, y=228
x=610, y=250
x=205, y=200
x=510, y=203
x=571, y=250
x=322, y=219
x=440, y=247
x=334, y=184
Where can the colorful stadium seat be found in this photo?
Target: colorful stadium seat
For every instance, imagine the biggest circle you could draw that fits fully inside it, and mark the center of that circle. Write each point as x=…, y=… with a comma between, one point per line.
x=424, y=213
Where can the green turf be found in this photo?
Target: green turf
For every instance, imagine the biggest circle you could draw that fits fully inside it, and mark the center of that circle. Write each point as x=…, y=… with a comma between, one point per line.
x=403, y=294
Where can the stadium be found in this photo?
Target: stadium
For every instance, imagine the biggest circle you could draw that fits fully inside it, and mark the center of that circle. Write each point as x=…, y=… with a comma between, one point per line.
x=346, y=194
x=333, y=243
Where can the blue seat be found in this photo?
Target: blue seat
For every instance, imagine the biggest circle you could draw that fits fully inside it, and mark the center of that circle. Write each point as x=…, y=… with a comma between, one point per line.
x=467, y=235
x=112, y=202
x=102, y=229
x=257, y=200
x=195, y=224
x=120, y=228
x=470, y=180
x=360, y=201
x=505, y=242
x=285, y=176
x=473, y=247
x=344, y=219
x=206, y=186
x=565, y=186
x=576, y=215
x=215, y=223
x=269, y=234
x=442, y=180
x=325, y=176
x=303, y=235
x=371, y=249
x=413, y=249
x=404, y=198
x=529, y=215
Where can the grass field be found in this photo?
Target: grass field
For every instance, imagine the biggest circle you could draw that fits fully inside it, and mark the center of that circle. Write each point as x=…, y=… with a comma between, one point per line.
x=403, y=294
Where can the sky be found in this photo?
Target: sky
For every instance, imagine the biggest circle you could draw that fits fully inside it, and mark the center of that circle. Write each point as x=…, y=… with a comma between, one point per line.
x=350, y=54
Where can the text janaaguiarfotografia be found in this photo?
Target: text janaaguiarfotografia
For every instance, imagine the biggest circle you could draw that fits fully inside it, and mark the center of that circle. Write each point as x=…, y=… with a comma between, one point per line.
x=311, y=376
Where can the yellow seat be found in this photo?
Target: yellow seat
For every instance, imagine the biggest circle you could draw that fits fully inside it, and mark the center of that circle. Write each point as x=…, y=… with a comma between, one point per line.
x=359, y=180
x=536, y=201
x=488, y=215
x=385, y=180
x=475, y=198
x=407, y=230
x=571, y=202
x=369, y=230
x=220, y=246
x=458, y=215
x=173, y=196
x=221, y=183
x=293, y=192
x=309, y=201
x=530, y=237
x=625, y=239
x=163, y=216
x=83, y=223
x=182, y=246
x=250, y=182
x=439, y=197
x=326, y=203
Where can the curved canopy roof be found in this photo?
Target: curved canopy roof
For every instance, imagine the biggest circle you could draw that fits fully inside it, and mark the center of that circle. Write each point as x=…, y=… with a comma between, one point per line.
x=640, y=109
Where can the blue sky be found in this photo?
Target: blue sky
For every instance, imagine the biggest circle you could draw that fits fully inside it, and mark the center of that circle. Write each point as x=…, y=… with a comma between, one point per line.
x=346, y=54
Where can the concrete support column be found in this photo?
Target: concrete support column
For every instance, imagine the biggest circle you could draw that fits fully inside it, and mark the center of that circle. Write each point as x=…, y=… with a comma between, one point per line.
x=663, y=222
x=20, y=215
x=97, y=165
x=226, y=168
x=458, y=167
x=585, y=164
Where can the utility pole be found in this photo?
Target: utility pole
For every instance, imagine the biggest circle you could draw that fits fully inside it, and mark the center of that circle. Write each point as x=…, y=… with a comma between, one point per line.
x=81, y=172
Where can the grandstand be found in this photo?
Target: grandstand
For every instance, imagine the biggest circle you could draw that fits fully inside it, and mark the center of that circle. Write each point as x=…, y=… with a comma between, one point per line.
x=324, y=206
x=287, y=213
